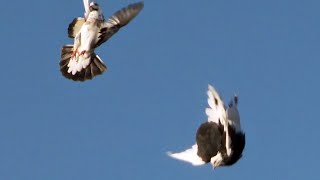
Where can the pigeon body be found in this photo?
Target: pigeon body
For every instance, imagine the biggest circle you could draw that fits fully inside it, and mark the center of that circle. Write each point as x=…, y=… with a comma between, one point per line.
x=78, y=61
x=208, y=138
x=219, y=141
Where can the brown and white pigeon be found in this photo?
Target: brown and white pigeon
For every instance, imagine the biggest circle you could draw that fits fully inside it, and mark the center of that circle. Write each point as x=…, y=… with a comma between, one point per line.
x=79, y=61
x=220, y=140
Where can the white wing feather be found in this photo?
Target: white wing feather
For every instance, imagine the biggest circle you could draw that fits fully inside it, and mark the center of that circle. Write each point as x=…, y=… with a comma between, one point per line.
x=189, y=155
x=216, y=111
x=86, y=4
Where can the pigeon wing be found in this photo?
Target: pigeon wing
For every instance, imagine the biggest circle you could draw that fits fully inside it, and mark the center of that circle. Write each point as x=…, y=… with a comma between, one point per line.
x=75, y=26
x=117, y=21
x=86, y=4
x=216, y=111
x=233, y=115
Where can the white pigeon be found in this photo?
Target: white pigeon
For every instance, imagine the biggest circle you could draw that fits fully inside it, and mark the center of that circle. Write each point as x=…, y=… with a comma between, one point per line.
x=220, y=140
x=78, y=61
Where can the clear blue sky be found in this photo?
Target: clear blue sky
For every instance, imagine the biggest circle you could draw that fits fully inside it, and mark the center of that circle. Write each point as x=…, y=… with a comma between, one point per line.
x=152, y=98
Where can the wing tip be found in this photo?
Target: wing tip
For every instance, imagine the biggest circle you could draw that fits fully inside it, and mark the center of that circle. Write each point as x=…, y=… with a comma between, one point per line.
x=212, y=89
x=139, y=4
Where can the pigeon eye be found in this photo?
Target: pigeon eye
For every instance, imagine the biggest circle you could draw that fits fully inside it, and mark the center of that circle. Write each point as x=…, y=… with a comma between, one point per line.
x=93, y=8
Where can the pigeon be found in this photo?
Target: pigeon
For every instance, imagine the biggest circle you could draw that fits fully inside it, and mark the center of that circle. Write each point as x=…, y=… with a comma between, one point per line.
x=79, y=61
x=219, y=141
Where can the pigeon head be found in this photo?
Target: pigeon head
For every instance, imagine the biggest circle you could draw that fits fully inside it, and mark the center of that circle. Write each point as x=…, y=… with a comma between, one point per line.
x=216, y=164
x=217, y=160
x=94, y=6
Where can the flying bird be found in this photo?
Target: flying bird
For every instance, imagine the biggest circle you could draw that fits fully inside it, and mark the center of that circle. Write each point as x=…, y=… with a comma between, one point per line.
x=79, y=61
x=220, y=140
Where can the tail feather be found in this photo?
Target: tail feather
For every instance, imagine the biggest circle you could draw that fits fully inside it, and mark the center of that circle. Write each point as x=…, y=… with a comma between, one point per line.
x=99, y=65
x=189, y=155
x=80, y=70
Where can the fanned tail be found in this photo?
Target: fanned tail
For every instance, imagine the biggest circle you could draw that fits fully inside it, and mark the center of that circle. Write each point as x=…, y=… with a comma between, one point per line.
x=80, y=69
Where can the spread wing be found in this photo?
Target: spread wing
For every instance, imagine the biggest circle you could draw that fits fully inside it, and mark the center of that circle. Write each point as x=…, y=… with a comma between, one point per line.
x=216, y=111
x=189, y=155
x=117, y=21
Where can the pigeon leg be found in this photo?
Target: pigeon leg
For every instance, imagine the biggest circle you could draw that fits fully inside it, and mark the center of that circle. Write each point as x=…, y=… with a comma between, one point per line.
x=74, y=53
x=82, y=52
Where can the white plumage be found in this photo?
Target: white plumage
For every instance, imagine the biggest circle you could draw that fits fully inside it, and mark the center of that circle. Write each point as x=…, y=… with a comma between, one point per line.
x=216, y=111
x=189, y=155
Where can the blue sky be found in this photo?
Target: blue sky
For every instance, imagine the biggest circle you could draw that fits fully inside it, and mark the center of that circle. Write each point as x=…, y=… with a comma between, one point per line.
x=152, y=98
